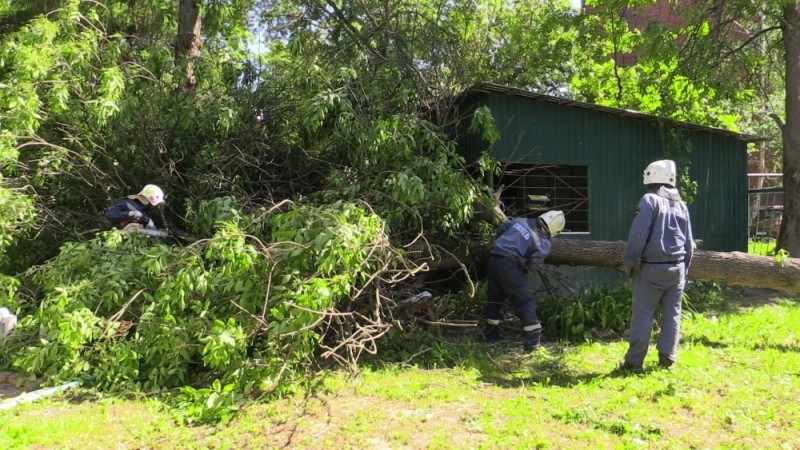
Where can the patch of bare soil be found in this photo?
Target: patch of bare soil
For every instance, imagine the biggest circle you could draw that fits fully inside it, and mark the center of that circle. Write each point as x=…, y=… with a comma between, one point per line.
x=11, y=386
x=759, y=296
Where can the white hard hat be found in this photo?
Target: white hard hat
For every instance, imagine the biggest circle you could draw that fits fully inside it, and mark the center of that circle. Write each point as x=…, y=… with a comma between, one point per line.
x=153, y=193
x=660, y=172
x=554, y=222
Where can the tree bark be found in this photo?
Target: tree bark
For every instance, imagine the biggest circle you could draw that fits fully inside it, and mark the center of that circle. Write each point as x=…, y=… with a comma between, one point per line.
x=733, y=268
x=188, y=43
x=789, y=238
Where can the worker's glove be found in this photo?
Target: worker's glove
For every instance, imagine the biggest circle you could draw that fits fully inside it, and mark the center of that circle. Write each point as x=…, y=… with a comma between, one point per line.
x=628, y=269
x=135, y=215
x=530, y=268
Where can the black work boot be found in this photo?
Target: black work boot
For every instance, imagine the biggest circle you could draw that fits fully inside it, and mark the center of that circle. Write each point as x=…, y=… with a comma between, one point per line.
x=664, y=361
x=492, y=334
x=532, y=340
x=629, y=367
x=532, y=334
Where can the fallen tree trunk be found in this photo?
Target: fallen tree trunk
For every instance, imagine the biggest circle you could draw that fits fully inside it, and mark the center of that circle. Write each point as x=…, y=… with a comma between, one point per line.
x=733, y=268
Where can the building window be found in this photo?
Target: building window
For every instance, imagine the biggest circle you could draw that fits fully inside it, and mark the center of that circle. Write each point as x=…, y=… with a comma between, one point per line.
x=530, y=189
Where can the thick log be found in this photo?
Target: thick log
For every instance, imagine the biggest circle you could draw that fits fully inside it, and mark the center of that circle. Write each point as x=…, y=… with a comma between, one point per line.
x=733, y=268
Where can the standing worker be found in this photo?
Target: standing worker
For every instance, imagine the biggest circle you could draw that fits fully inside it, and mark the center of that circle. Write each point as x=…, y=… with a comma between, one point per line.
x=520, y=247
x=658, y=254
x=133, y=212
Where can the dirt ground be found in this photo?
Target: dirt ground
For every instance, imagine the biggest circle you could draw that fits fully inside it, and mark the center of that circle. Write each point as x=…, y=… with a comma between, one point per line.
x=11, y=386
x=758, y=296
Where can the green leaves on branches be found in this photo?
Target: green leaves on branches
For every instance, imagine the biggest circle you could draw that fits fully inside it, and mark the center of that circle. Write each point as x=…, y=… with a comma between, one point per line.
x=232, y=314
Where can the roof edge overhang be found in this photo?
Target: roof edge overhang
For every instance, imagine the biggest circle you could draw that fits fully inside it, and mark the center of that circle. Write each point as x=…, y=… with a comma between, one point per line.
x=488, y=87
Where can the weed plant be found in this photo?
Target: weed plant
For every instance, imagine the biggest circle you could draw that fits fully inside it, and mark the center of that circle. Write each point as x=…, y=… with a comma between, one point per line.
x=595, y=311
x=603, y=312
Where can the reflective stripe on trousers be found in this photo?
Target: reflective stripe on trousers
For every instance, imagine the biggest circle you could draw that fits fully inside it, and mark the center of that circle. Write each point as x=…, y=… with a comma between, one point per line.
x=536, y=326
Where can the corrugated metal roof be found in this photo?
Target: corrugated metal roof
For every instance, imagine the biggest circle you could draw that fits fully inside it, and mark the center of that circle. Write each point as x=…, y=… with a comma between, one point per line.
x=486, y=87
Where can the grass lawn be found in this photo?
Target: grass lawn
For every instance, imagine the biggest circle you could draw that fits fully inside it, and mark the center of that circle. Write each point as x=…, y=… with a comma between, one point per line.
x=736, y=385
x=763, y=247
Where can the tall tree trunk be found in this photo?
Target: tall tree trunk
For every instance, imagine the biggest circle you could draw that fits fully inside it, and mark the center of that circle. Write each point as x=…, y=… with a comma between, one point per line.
x=188, y=44
x=789, y=238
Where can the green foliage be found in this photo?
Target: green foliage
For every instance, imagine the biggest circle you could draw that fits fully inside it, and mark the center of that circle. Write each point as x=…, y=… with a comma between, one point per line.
x=389, y=157
x=763, y=247
x=603, y=312
x=781, y=256
x=677, y=71
x=700, y=296
x=233, y=311
x=9, y=290
x=220, y=212
x=87, y=90
x=208, y=405
x=375, y=97
x=483, y=123
x=734, y=382
x=16, y=217
x=600, y=309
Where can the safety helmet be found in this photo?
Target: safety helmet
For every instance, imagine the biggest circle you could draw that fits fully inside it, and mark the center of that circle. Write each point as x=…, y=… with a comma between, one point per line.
x=554, y=222
x=153, y=193
x=660, y=172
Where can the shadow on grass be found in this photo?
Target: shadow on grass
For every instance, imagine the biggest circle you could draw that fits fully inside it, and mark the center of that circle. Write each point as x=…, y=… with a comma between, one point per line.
x=706, y=342
x=780, y=347
x=505, y=365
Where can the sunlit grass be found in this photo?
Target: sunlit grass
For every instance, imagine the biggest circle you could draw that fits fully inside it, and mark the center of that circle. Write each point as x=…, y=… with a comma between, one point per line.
x=763, y=247
x=735, y=385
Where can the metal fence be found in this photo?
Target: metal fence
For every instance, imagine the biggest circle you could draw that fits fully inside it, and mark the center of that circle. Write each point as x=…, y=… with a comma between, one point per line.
x=765, y=219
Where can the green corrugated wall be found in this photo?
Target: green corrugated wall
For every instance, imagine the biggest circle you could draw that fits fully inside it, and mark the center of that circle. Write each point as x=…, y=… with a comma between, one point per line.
x=616, y=148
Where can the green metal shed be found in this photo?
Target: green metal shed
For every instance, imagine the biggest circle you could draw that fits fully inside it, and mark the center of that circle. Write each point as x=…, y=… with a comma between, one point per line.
x=588, y=160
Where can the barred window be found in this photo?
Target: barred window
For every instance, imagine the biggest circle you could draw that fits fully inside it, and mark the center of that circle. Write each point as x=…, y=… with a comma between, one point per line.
x=530, y=189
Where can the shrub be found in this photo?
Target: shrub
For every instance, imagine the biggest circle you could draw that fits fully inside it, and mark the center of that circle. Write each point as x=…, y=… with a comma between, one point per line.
x=229, y=315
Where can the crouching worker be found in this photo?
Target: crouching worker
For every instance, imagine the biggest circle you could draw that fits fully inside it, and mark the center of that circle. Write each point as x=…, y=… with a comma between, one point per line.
x=133, y=213
x=520, y=247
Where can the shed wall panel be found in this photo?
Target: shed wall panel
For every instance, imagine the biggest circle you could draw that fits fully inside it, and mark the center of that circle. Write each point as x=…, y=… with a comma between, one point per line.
x=616, y=149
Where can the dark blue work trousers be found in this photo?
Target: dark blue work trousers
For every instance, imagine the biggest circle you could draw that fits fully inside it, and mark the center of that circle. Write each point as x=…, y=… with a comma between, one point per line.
x=508, y=280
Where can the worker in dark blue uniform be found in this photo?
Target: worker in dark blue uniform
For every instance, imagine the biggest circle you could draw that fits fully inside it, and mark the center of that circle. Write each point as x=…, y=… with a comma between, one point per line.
x=520, y=247
x=658, y=254
x=133, y=212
